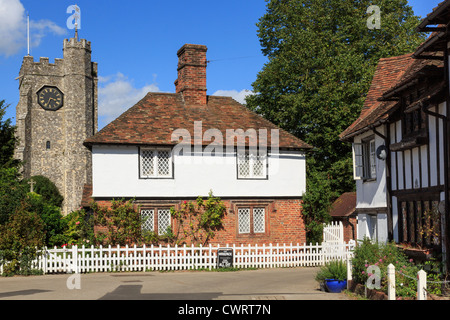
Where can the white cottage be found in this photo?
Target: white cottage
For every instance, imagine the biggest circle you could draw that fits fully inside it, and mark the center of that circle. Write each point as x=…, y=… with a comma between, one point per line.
x=174, y=147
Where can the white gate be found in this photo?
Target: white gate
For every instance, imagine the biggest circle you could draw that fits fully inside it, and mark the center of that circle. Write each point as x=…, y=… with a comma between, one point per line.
x=333, y=233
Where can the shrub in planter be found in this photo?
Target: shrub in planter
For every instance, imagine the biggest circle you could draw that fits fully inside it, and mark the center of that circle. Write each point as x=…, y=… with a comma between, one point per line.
x=335, y=271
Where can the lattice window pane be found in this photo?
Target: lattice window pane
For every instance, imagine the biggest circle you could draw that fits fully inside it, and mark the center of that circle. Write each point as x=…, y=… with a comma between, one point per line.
x=244, y=220
x=148, y=220
x=156, y=163
x=147, y=163
x=163, y=163
x=259, y=220
x=163, y=221
x=243, y=165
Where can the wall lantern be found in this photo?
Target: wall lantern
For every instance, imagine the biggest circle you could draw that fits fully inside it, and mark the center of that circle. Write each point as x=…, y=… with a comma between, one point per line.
x=382, y=152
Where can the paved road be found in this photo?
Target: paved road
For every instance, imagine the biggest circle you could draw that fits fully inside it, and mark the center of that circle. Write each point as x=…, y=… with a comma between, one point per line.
x=263, y=284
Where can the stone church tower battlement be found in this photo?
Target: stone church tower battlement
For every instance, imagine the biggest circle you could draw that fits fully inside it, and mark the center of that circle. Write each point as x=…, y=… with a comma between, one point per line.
x=57, y=111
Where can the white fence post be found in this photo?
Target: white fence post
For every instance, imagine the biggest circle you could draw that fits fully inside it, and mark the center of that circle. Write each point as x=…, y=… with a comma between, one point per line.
x=74, y=260
x=349, y=269
x=391, y=281
x=422, y=285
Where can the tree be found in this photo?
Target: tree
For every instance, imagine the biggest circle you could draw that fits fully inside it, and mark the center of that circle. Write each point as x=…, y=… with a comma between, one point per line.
x=12, y=192
x=20, y=238
x=321, y=60
x=7, y=139
x=47, y=189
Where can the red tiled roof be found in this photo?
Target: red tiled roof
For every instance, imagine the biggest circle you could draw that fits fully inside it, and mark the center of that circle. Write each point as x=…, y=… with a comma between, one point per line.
x=344, y=205
x=391, y=76
x=152, y=121
x=388, y=72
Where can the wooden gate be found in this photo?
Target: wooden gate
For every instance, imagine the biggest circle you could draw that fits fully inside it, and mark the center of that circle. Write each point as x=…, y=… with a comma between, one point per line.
x=333, y=232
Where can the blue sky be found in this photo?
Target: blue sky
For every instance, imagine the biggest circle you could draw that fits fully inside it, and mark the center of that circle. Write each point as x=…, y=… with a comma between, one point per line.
x=135, y=44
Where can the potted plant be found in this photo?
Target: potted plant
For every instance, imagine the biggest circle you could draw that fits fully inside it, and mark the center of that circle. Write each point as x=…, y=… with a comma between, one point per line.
x=333, y=276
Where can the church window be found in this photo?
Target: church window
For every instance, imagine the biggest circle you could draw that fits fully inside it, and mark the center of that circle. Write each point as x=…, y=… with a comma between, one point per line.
x=251, y=165
x=155, y=163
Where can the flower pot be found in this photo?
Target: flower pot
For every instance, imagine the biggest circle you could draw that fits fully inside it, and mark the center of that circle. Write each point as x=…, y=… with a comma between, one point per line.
x=335, y=286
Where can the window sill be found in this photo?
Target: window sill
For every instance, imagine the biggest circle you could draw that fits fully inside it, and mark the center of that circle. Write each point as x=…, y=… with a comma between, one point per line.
x=369, y=180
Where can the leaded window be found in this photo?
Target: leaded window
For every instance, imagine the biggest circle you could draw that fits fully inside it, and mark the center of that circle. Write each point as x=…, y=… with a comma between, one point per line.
x=244, y=220
x=259, y=220
x=252, y=165
x=159, y=218
x=163, y=221
x=155, y=163
x=148, y=220
x=251, y=220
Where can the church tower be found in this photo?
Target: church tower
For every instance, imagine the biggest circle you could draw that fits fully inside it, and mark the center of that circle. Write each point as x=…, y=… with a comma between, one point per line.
x=57, y=111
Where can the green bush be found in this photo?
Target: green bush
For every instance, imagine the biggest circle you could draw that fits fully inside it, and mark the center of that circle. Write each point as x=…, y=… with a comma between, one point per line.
x=47, y=189
x=12, y=192
x=54, y=224
x=368, y=253
x=336, y=270
x=79, y=228
x=20, y=238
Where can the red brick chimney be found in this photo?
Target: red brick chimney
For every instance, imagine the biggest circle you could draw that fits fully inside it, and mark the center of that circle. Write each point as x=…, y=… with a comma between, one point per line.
x=191, y=80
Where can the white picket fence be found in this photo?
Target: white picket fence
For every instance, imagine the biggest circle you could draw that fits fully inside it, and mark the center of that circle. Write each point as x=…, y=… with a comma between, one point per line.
x=333, y=232
x=147, y=258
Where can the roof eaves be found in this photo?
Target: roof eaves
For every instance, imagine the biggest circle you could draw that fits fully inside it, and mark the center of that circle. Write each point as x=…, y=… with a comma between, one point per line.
x=430, y=19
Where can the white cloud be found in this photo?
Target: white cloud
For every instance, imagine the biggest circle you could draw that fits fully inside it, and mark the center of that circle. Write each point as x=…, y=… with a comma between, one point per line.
x=13, y=28
x=116, y=94
x=41, y=28
x=239, y=96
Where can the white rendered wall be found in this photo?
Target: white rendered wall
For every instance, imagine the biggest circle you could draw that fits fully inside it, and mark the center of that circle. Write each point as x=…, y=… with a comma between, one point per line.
x=372, y=193
x=116, y=174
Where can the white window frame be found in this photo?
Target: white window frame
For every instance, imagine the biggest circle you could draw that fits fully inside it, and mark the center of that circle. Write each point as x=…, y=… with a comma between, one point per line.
x=153, y=217
x=244, y=225
x=364, y=160
x=247, y=225
x=259, y=213
x=156, y=162
x=251, y=159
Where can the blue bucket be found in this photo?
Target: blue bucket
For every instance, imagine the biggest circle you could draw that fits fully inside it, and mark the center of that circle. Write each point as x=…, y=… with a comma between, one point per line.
x=335, y=286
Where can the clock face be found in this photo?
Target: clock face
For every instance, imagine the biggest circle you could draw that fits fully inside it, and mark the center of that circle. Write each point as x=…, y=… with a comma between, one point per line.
x=50, y=98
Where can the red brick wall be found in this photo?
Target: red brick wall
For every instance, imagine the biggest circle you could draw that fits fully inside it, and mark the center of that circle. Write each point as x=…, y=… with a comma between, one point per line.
x=191, y=79
x=283, y=222
x=349, y=228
